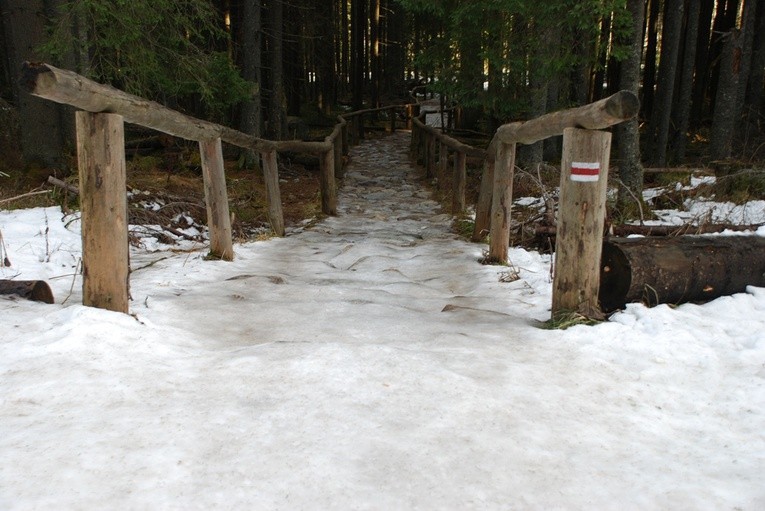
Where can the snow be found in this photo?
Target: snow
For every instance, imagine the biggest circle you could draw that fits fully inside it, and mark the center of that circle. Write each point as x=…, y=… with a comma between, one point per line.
x=366, y=362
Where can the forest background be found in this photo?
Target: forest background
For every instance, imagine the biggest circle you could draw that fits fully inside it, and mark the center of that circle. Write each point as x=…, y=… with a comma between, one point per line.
x=273, y=67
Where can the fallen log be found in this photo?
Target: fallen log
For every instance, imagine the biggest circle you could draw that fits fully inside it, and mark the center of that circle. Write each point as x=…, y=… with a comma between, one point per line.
x=678, y=269
x=659, y=230
x=36, y=290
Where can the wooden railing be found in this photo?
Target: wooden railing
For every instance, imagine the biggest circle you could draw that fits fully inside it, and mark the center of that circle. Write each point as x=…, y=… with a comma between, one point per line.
x=584, y=173
x=101, y=163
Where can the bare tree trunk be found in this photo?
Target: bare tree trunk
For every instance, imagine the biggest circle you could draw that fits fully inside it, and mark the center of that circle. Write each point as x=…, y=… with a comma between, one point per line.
x=376, y=64
x=670, y=48
x=628, y=132
x=358, y=55
x=683, y=103
x=42, y=135
x=725, y=116
x=325, y=54
x=748, y=25
x=753, y=98
x=252, y=46
x=277, y=123
x=701, y=81
x=649, y=75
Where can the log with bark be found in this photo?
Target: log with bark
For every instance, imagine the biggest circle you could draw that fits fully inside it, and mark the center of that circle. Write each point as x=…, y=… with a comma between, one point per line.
x=678, y=269
x=36, y=290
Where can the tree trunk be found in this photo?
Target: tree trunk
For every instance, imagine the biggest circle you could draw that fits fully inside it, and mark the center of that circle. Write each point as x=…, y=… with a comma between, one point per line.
x=252, y=46
x=679, y=269
x=748, y=25
x=358, y=56
x=649, y=75
x=277, y=122
x=628, y=133
x=43, y=138
x=683, y=103
x=345, y=51
x=725, y=115
x=724, y=22
x=753, y=99
x=670, y=49
x=325, y=54
x=375, y=56
x=701, y=81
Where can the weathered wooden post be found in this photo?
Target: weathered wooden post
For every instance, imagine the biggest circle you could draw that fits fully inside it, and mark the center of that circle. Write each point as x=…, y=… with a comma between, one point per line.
x=344, y=131
x=443, y=164
x=103, y=205
x=355, y=130
x=430, y=155
x=271, y=179
x=327, y=182
x=216, y=199
x=337, y=144
x=483, y=206
x=392, y=113
x=412, y=111
x=502, y=199
x=360, y=125
x=581, y=217
x=459, y=179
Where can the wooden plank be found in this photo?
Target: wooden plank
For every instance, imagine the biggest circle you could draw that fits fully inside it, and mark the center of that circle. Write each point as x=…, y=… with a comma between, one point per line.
x=581, y=217
x=216, y=199
x=502, y=199
x=327, y=182
x=273, y=193
x=459, y=179
x=103, y=207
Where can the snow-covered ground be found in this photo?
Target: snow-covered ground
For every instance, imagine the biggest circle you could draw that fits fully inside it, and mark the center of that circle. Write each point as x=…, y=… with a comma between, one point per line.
x=366, y=362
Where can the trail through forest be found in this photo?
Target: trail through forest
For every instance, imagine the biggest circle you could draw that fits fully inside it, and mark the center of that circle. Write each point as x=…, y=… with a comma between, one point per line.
x=366, y=361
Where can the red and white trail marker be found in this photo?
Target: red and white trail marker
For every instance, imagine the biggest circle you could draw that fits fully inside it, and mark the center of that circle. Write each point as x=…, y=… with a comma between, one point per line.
x=586, y=172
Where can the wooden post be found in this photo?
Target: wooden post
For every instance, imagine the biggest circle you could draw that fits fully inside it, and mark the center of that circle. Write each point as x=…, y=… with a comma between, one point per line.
x=459, y=178
x=328, y=188
x=483, y=206
x=581, y=216
x=271, y=179
x=412, y=111
x=415, y=142
x=502, y=199
x=355, y=130
x=443, y=164
x=339, y=169
x=216, y=198
x=103, y=205
x=392, y=113
x=344, y=131
x=360, y=125
x=430, y=156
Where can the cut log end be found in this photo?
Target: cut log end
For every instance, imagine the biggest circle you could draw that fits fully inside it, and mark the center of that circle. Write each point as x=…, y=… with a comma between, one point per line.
x=35, y=290
x=30, y=74
x=678, y=269
x=623, y=105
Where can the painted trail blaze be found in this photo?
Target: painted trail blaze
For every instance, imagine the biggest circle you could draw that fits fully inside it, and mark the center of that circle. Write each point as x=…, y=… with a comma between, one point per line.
x=585, y=171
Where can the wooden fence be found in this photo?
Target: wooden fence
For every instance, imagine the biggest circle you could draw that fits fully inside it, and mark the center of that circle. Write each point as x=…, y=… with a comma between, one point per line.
x=101, y=162
x=584, y=174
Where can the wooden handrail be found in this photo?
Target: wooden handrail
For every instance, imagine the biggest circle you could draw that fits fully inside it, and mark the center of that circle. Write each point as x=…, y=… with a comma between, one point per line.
x=602, y=114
